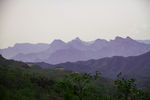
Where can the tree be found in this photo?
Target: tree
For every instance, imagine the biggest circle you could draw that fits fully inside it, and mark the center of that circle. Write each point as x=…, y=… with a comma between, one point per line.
x=127, y=89
x=77, y=85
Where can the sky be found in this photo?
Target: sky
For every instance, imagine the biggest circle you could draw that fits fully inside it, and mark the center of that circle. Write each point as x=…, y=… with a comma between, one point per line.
x=42, y=21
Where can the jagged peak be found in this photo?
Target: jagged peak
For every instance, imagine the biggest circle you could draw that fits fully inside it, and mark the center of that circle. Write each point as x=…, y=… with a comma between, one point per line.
x=97, y=40
x=119, y=38
x=57, y=41
x=129, y=38
x=77, y=39
x=126, y=39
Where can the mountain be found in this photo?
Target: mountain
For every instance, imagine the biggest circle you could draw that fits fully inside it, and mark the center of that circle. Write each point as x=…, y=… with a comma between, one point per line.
x=98, y=44
x=76, y=50
x=23, y=48
x=99, y=49
x=78, y=44
x=57, y=45
x=43, y=55
x=111, y=66
x=124, y=47
x=70, y=54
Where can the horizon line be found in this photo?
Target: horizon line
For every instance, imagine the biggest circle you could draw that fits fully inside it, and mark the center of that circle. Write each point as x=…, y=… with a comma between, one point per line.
x=71, y=40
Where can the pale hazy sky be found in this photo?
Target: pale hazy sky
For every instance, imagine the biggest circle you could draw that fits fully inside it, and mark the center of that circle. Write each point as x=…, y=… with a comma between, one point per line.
x=43, y=21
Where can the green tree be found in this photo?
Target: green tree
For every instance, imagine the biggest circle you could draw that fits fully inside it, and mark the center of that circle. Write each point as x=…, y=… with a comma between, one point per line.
x=77, y=86
x=127, y=89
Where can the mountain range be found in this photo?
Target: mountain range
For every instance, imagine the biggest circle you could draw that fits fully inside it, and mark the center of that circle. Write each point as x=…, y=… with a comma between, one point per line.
x=23, y=48
x=109, y=66
x=76, y=50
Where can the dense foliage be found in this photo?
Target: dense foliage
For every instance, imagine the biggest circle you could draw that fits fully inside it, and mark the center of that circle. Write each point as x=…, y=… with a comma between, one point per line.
x=127, y=89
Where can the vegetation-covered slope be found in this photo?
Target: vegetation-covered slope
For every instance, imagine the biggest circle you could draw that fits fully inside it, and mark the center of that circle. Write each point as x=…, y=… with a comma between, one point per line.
x=19, y=81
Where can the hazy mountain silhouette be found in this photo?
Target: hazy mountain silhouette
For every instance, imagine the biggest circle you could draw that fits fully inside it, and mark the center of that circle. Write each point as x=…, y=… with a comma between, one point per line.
x=23, y=48
x=76, y=50
x=78, y=44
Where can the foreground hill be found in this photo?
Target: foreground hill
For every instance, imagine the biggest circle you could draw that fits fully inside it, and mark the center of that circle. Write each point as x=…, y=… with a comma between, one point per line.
x=20, y=81
x=77, y=50
x=55, y=73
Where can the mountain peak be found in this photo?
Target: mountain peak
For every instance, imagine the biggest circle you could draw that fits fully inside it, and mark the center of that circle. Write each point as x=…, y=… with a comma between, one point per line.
x=101, y=40
x=129, y=38
x=77, y=39
x=57, y=41
x=119, y=38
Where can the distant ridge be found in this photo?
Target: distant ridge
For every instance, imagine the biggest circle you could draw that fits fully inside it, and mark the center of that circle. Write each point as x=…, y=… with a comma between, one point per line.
x=23, y=48
x=139, y=66
x=75, y=50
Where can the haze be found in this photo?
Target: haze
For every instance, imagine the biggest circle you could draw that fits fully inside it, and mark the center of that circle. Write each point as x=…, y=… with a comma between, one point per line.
x=36, y=21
